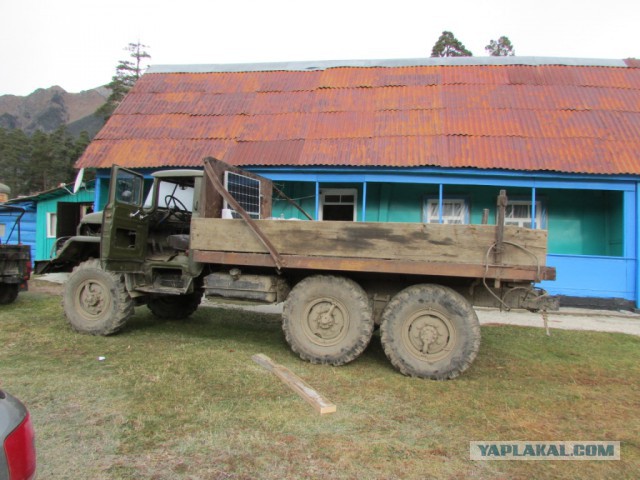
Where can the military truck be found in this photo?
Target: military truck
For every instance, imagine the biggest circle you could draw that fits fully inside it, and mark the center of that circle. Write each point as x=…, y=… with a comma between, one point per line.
x=15, y=258
x=211, y=232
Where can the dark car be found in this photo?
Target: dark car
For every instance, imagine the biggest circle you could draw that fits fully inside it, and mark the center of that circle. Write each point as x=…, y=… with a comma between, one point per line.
x=18, y=452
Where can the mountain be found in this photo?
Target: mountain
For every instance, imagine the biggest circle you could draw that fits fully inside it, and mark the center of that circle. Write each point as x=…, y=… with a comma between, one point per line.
x=47, y=109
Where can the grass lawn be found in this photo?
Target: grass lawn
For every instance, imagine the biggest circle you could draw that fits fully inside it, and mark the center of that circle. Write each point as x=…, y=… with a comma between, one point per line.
x=183, y=400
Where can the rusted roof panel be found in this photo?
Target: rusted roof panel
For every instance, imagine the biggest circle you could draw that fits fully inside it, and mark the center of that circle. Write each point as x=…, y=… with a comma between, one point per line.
x=474, y=75
x=280, y=152
x=274, y=127
x=274, y=103
x=138, y=153
x=407, y=98
x=531, y=117
x=407, y=123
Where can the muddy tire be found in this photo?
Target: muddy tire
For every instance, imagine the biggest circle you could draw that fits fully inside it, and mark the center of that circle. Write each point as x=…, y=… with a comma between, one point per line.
x=96, y=301
x=8, y=293
x=430, y=331
x=327, y=320
x=175, y=307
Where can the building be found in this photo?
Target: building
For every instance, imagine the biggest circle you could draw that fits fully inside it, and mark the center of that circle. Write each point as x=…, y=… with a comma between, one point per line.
x=51, y=215
x=425, y=140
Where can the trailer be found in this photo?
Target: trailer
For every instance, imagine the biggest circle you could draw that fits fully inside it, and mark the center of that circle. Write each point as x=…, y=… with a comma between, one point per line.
x=15, y=257
x=212, y=232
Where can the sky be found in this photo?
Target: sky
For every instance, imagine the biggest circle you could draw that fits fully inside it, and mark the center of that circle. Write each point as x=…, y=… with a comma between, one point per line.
x=76, y=44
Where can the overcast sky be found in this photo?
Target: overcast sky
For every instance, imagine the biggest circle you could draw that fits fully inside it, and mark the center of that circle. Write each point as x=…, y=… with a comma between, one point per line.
x=76, y=44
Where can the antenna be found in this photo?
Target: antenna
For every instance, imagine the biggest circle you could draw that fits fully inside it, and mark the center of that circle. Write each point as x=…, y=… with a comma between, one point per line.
x=78, y=183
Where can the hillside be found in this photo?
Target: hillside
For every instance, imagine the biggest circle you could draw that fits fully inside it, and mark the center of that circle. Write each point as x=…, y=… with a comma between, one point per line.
x=47, y=109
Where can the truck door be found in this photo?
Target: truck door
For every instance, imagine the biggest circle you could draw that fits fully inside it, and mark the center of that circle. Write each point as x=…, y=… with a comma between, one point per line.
x=124, y=225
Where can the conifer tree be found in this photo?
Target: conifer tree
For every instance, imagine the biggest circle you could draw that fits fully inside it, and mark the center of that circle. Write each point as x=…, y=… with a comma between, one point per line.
x=449, y=46
x=127, y=74
x=500, y=48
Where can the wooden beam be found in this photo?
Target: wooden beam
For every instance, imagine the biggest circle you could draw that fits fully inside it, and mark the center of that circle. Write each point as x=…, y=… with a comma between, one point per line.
x=296, y=384
x=506, y=273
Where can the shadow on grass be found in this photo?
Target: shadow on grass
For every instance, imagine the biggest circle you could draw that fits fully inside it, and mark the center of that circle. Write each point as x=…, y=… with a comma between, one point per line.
x=208, y=323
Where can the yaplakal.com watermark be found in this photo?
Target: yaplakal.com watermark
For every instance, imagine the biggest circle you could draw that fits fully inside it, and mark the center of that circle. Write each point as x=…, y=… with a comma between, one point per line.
x=518, y=450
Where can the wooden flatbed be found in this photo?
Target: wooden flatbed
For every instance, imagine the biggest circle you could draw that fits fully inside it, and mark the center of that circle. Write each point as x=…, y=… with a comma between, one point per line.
x=398, y=248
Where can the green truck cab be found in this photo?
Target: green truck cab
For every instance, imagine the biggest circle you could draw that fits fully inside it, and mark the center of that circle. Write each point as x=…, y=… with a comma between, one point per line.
x=143, y=253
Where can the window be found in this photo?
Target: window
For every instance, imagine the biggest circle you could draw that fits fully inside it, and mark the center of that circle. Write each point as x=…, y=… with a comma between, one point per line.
x=52, y=224
x=168, y=189
x=128, y=188
x=518, y=213
x=338, y=204
x=454, y=211
x=3, y=229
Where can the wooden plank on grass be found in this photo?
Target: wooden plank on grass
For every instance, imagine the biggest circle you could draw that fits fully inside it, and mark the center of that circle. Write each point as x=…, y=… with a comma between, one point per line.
x=296, y=384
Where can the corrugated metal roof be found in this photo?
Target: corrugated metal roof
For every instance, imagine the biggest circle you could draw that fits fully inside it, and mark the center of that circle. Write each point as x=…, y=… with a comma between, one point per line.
x=527, y=114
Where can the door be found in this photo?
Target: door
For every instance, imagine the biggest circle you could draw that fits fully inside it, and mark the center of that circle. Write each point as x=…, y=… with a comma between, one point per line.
x=68, y=216
x=124, y=225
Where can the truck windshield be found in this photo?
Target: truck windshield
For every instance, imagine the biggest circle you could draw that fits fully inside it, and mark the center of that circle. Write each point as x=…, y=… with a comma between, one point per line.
x=168, y=189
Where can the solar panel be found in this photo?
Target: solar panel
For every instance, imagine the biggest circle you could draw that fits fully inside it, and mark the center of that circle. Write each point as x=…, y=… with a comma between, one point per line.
x=246, y=191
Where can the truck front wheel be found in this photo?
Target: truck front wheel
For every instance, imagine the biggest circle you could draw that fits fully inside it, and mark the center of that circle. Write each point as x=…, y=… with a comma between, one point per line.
x=96, y=301
x=8, y=293
x=328, y=320
x=175, y=307
x=430, y=331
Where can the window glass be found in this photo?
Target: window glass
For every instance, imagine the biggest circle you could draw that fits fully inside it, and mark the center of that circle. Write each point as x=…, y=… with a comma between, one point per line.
x=52, y=224
x=454, y=211
x=128, y=188
x=518, y=213
x=169, y=189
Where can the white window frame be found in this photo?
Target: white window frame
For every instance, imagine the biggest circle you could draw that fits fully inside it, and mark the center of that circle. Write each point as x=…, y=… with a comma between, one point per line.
x=3, y=229
x=52, y=224
x=525, y=222
x=431, y=211
x=329, y=192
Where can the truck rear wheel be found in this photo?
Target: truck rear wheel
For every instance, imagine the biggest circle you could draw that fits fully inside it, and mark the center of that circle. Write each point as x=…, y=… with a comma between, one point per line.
x=175, y=307
x=430, y=331
x=96, y=301
x=8, y=293
x=328, y=320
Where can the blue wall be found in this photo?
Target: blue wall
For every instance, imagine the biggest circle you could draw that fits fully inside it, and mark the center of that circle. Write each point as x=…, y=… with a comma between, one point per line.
x=591, y=276
x=27, y=226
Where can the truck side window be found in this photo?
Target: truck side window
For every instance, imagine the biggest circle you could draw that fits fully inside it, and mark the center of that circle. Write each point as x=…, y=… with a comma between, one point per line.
x=129, y=189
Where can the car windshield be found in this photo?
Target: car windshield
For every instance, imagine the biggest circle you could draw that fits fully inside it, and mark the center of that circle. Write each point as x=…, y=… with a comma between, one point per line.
x=168, y=189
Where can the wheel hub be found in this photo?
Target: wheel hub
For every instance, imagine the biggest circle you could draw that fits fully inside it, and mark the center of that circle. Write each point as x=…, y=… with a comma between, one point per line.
x=429, y=335
x=325, y=321
x=91, y=298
